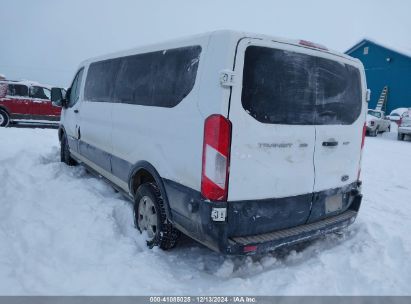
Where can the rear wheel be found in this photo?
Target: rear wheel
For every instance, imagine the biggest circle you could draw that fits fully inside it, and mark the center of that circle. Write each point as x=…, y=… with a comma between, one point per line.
x=65, y=155
x=150, y=216
x=4, y=118
x=400, y=136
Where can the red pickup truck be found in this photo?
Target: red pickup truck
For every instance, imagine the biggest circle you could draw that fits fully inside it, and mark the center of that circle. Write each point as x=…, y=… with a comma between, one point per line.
x=24, y=101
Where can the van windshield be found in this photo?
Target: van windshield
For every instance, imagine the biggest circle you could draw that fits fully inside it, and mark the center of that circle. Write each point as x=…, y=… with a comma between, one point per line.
x=284, y=87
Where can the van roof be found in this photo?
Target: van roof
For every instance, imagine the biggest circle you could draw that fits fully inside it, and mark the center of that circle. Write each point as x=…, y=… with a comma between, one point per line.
x=230, y=34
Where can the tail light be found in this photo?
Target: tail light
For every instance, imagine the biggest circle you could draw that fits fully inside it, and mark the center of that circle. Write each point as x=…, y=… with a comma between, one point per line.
x=400, y=121
x=216, y=158
x=312, y=45
x=249, y=248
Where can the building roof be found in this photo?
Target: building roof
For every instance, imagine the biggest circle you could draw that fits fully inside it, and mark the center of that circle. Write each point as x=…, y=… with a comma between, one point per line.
x=367, y=40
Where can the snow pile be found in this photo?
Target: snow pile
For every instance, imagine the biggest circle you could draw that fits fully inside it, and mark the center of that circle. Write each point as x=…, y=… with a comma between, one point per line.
x=64, y=232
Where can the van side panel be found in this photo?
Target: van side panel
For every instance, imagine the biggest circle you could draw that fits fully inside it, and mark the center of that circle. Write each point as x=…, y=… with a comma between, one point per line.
x=214, y=98
x=170, y=139
x=95, y=132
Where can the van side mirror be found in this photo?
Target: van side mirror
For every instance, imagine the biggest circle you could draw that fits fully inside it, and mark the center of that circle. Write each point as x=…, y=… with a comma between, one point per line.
x=58, y=97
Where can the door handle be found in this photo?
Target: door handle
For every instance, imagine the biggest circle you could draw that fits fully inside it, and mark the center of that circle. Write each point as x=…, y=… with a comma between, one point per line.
x=76, y=111
x=330, y=143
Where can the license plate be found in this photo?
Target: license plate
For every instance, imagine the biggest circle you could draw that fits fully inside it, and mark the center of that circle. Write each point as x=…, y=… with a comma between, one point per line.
x=218, y=214
x=333, y=203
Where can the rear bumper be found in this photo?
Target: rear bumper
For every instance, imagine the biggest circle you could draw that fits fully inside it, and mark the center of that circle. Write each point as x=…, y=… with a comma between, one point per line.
x=404, y=130
x=244, y=233
x=273, y=240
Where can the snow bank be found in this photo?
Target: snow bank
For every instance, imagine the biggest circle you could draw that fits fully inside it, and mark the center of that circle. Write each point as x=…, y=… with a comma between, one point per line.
x=63, y=232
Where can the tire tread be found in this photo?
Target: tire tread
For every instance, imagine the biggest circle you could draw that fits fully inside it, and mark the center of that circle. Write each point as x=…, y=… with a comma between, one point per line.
x=168, y=235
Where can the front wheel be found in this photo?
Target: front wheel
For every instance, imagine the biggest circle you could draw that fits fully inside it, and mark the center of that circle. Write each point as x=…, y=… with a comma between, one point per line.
x=65, y=155
x=4, y=118
x=150, y=217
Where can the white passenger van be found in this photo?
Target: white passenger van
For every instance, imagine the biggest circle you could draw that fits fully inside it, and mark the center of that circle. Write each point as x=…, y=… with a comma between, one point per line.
x=243, y=142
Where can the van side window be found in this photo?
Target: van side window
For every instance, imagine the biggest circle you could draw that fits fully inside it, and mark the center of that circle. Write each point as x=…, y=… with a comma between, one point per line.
x=75, y=88
x=161, y=79
x=17, y=90
x=283, y=87
x=135, y=83
x=100, y=81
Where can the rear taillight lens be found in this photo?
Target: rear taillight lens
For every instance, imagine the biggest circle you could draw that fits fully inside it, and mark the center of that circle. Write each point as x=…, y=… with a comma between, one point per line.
x=400, y=121
x=312, y=45
x=249, y=248
x=216, y=158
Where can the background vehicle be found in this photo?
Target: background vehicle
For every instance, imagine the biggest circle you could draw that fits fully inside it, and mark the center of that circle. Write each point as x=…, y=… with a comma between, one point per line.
x=405, y=126
x=396, y=114
x=199, y=135
x=23, y=101
x=377, y=122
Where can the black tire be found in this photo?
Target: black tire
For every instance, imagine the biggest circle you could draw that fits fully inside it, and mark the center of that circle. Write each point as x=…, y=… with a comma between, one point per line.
x=389, y=128
x=374, y=133
x=4, y=118
x=65, y=156
x=165, y=236
x=400, y=136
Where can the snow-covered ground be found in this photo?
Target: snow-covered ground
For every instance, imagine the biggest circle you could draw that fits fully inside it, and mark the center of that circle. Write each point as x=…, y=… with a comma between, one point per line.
x=64, y=232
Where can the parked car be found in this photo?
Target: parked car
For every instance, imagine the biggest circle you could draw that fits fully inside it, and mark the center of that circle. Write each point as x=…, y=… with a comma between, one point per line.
x=243, y=142
x=396, y=114
x=23, y=101
x=405, y=125
x=377, y=122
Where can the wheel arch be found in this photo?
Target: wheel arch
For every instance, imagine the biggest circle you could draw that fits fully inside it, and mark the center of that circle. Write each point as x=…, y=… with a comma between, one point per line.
x=5, y=110
x=143, y=172
x=61, y=131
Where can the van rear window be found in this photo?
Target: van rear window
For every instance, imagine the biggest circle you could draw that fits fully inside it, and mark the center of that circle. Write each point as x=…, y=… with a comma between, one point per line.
x=283, y=87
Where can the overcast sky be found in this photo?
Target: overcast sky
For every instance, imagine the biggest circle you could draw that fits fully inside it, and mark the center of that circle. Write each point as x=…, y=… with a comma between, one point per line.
x=45, y=40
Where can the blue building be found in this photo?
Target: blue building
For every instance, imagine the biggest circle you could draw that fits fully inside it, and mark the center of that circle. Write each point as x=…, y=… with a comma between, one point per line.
x=385, y=68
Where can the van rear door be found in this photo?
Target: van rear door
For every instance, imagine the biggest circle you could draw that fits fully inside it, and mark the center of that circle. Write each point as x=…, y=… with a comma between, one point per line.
x=340, y=115
x=273, y=141
x=296, y=124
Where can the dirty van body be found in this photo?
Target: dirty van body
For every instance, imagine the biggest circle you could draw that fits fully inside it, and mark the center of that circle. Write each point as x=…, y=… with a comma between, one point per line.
x=243, y=142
